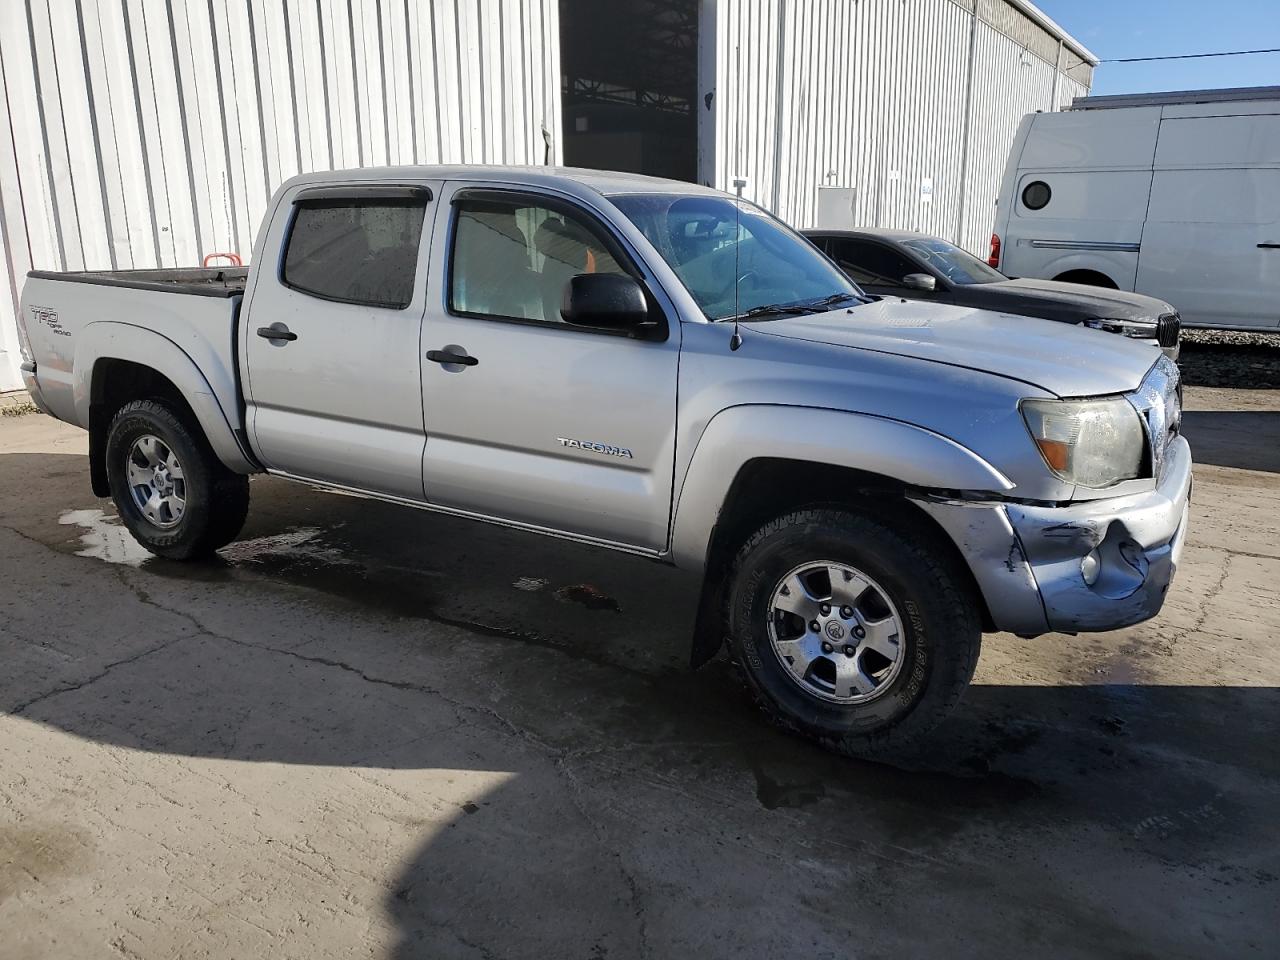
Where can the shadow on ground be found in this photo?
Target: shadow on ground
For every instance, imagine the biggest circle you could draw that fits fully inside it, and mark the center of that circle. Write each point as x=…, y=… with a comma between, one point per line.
x=628, y=766
x=1244, y=439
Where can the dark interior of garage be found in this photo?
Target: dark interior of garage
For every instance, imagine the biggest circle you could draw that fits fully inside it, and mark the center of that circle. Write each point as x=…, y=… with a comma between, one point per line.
x=629, y=81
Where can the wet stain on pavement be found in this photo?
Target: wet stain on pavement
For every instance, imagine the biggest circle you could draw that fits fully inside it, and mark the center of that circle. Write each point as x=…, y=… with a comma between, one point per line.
x=33, y=855
x=105, y=538
x=587, y=595
x=773, y=793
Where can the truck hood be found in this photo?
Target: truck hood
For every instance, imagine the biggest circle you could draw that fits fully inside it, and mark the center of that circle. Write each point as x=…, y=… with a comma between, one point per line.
x=1064, y=360
x=1089, y=301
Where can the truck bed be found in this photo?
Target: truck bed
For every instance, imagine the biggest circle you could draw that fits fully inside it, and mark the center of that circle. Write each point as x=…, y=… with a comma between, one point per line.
x=193, y=281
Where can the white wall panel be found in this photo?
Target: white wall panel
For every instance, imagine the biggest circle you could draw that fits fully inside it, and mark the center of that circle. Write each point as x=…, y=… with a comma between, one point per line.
x=142, y=133
x=872, y=95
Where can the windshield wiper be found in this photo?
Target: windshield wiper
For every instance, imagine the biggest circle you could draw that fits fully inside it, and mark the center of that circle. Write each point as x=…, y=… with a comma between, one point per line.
x=832, y=300
x=771, y=310
x=792, y=309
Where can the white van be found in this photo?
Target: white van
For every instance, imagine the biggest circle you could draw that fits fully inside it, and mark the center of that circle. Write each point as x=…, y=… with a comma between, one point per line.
x=1175, y=195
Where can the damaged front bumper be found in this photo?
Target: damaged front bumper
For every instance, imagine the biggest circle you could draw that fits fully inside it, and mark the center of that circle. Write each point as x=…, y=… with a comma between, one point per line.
x=1087, y=566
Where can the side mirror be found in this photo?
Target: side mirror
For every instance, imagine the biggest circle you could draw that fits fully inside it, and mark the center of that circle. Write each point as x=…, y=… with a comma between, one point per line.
x=920, y=281
x=606, y=301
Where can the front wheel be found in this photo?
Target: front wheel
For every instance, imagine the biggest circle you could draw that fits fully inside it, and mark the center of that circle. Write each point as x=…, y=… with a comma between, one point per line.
x=851, y=631
x=171, y=491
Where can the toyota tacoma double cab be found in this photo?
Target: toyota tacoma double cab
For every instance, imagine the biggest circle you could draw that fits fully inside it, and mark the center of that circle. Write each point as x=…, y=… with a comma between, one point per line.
x=864, y=486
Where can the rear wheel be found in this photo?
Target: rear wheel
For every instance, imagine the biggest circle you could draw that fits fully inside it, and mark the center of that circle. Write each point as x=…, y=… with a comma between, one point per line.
x=171, y=491
x=851, y=631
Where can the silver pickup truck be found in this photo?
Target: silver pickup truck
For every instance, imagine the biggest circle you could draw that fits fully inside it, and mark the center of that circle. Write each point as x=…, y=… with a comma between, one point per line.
x=863, y=486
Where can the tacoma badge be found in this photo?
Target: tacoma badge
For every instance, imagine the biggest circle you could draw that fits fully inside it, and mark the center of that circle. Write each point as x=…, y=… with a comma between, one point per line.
x=605, y=448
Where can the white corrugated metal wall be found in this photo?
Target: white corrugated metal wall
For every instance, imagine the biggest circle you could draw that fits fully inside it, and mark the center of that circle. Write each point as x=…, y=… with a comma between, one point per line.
x=139, y=133
x=872, y=95
x=142, y=133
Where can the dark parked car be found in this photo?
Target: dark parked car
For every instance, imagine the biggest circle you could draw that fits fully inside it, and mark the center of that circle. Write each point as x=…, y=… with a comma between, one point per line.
x=897, y=263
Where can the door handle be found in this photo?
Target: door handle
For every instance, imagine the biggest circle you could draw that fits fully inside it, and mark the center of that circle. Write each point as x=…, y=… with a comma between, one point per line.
x=277, y=331
x=1269, y=246
x=451, y=356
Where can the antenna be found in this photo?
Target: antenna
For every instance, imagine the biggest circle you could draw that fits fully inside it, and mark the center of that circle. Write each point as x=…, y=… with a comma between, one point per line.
x=739, y=183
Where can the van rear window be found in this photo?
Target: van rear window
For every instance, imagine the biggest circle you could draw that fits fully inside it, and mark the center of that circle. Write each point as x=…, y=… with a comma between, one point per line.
x=355, y=251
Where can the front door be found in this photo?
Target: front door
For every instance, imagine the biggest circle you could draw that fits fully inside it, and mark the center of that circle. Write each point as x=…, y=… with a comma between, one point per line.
x=542, y=423
x=334, y=388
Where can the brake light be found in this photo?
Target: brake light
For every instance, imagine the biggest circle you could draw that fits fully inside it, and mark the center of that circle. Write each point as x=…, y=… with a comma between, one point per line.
x=994, y=259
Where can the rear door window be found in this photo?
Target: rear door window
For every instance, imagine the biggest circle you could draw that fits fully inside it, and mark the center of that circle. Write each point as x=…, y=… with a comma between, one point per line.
x=362, y=251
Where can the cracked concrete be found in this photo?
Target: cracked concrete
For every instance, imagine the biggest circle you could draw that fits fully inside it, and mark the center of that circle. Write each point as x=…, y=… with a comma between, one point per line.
x=371, y=741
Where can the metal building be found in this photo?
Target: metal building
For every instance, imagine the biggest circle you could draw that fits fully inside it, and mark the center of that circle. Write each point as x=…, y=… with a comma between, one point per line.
x=141, y=133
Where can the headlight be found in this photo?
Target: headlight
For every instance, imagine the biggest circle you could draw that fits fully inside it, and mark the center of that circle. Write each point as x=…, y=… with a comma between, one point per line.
x=1094, y=443
x=1139, y=329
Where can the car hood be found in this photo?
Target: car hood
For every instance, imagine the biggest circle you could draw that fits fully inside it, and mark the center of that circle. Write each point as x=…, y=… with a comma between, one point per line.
x=1089, y=301
x=1064, y=360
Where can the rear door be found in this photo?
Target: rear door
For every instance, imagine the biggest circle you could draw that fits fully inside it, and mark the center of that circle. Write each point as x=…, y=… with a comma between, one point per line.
x=333, y=387
x=553, y=426
x=1211, y=246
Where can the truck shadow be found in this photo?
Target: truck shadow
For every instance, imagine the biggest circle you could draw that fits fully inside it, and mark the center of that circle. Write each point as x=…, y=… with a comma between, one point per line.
x=672, y=795
x=1244, y=439
x=644, y=800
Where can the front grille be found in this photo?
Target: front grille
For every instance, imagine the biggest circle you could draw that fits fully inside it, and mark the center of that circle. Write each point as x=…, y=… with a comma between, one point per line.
x=1168, y=329
x=1158, y=401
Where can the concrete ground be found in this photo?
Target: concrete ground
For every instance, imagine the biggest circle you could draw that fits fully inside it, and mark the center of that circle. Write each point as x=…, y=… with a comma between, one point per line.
x=373, y=732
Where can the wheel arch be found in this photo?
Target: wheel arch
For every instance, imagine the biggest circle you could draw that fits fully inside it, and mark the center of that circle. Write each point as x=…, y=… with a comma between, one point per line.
x=756, y=463
x=116, y=363
x=1089, y=277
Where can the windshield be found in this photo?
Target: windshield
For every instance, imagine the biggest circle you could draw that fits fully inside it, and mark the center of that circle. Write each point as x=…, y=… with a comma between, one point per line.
x=709, y=241
x=958, y=266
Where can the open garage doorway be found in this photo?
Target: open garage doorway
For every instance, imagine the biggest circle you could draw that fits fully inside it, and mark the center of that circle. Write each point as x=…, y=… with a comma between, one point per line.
x=629, y=76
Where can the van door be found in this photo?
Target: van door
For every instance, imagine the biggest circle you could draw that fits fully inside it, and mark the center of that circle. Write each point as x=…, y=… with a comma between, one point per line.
x=544, y=424
x=333, y=382
x=1211, y=245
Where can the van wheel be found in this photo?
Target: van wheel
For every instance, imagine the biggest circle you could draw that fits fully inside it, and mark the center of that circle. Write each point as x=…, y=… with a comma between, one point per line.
x=171, y=491
x=849, y=632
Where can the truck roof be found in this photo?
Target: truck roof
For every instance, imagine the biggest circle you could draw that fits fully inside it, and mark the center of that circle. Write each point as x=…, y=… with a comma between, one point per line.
x=575, y=179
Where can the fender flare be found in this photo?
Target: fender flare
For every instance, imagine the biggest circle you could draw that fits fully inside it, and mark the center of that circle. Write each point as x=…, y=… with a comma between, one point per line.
x=737, y=435
x=113, y=340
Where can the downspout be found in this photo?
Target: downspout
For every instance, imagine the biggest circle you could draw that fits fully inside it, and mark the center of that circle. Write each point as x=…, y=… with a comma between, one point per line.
x=968, y=109
x=709, y=129
x=777, y=100
x=1057, y=73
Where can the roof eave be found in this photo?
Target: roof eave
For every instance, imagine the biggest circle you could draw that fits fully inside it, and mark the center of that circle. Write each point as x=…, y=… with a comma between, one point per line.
x=1049, y=24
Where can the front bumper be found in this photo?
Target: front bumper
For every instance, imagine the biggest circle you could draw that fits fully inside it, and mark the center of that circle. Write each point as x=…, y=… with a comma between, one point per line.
x=1030, y=561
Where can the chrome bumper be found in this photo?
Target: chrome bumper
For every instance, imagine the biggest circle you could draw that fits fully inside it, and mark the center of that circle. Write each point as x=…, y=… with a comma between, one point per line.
x=1088, y=566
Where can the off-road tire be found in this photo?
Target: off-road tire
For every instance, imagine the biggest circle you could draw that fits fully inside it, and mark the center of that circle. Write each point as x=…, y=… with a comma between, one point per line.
x=217, y=500
x=940, y=616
